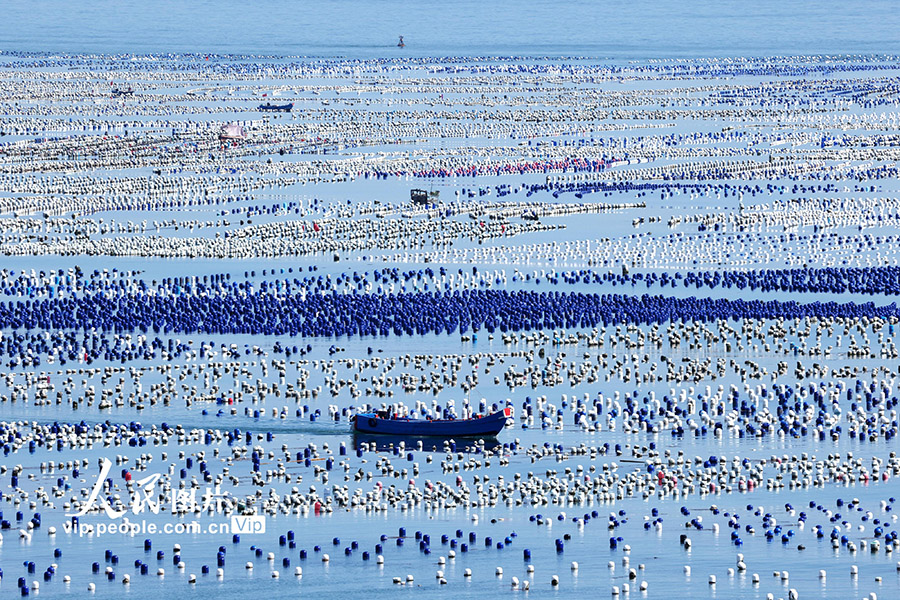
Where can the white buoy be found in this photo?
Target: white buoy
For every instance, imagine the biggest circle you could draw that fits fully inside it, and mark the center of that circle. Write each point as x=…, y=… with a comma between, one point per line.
x=554, y=580
x=687, y=570
x=91, y=587
x=325, y=558
x=712, y=580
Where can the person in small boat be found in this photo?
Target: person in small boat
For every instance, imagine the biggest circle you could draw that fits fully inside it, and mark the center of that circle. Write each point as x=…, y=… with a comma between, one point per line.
x=400, y=44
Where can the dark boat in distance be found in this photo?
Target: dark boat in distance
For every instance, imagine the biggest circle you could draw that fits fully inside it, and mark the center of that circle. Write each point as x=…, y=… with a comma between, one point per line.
x=117, y=93
x=382, y=422
x=422, y=198
x=267, y=107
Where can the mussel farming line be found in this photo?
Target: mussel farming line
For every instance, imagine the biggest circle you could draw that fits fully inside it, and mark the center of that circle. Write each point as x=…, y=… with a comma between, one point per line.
x=405, y=313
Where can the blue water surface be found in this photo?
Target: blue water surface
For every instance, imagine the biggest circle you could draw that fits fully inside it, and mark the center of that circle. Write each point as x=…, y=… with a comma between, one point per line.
x=603, y=29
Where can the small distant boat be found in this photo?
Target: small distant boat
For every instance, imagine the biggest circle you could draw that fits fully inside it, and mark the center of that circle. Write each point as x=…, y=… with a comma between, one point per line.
x=267, y=107
x=421, y=197
x=381, y=422
x=117, y=93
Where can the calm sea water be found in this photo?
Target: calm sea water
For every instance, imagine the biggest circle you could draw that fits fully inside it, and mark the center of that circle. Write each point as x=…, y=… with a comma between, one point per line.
x=604, y=28
x=639, y=29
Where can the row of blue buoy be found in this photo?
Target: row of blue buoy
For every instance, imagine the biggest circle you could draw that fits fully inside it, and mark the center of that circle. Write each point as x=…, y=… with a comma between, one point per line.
x=403, y=314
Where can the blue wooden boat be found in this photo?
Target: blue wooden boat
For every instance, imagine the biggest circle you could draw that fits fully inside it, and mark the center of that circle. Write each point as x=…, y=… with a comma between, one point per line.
x=381, y=422
x=267, y=107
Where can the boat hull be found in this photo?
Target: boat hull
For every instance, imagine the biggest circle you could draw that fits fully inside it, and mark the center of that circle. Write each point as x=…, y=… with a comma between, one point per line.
x=487, y=426
x=276, y=107
x=430, y=443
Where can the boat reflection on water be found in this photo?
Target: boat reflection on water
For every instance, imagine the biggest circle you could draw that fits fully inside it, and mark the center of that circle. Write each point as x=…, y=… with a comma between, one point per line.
x=384, y=442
